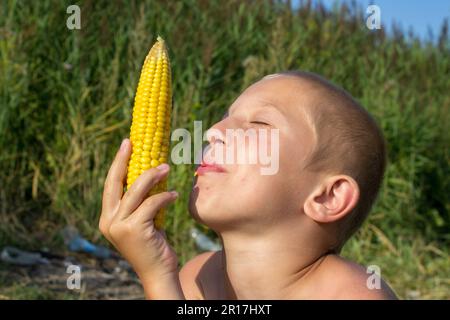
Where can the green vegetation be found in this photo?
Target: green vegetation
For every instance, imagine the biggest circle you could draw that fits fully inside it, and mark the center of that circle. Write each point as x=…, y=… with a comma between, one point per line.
x=66, y=99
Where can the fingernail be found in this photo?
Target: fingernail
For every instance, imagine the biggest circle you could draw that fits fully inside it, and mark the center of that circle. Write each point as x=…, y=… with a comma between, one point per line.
x=123, y=146
x=163, y=167
x=174, y=194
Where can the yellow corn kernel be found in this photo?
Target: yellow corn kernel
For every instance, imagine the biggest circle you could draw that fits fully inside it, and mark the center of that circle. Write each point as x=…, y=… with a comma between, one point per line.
x=150, y=127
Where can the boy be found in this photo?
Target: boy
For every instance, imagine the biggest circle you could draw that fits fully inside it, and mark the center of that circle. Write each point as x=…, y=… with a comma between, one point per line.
x=281, y=233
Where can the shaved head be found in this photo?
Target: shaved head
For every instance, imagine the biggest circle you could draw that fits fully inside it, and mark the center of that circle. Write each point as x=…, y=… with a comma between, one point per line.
x=348, y=141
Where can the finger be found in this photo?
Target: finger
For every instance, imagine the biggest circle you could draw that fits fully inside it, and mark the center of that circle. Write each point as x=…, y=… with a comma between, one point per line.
x=140, y=189
x=113, y=189
x=148, y=210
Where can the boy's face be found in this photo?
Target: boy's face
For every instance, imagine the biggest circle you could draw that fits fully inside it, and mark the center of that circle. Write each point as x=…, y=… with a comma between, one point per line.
x=242, y=196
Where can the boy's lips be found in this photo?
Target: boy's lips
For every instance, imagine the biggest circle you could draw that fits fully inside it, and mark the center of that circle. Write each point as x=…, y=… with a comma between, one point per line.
x=209, y=167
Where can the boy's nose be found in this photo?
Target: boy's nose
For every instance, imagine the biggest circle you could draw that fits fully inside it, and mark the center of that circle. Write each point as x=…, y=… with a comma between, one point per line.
x=215, y=134
x=218, y=132
x=209, y=152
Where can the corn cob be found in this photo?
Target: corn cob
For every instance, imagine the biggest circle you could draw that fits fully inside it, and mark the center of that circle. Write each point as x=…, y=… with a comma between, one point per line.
x=150, y=127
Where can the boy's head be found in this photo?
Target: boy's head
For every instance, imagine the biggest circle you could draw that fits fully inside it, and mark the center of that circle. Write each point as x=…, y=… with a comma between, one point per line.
x=330, y=161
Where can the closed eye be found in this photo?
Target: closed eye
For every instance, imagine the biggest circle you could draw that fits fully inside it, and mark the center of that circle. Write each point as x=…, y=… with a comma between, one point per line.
x=261, y=123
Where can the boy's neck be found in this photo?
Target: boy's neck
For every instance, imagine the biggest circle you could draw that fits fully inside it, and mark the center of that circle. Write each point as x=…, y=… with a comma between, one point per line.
x=269, y=266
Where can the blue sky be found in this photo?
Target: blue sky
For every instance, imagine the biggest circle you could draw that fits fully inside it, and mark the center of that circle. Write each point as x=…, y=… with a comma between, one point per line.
x=418, y=14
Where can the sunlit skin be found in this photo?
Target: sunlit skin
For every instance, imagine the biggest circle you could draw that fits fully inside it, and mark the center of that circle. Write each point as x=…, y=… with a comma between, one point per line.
x=278, y=231
x=272, y=248
x=255, y=109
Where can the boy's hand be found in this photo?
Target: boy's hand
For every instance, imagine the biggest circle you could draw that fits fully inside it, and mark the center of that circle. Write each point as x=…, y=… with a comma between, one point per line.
x=127, y=221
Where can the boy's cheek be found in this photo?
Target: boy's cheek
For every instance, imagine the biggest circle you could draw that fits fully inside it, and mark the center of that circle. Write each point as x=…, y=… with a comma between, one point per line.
x=244, y=186
x=257, y=189
x=246, y=198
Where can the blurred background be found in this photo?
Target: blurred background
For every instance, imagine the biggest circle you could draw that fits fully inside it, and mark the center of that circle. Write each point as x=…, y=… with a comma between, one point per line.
x=65, y=105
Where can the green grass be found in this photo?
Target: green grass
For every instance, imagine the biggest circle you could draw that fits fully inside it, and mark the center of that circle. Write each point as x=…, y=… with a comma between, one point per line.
x=66, y=98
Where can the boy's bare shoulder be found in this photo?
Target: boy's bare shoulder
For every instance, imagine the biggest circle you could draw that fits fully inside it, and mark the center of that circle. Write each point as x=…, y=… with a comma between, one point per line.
x=199, y=274
x=344, y=279
x=334, y=278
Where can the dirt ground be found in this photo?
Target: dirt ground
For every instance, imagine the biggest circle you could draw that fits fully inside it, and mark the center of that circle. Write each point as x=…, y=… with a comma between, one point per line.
x=100, y=279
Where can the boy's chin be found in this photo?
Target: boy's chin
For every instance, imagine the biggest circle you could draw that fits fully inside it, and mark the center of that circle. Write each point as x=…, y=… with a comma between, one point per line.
x=200, y=213
x=201, y=208
x=208, y=216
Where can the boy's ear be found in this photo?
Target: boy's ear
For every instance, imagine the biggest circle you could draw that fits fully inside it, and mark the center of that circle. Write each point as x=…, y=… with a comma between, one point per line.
x=333, y=199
